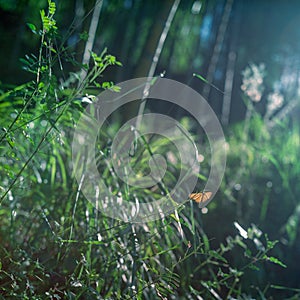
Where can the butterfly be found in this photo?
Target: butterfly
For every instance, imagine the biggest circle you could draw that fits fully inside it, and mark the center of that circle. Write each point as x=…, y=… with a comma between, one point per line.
x=201, y=197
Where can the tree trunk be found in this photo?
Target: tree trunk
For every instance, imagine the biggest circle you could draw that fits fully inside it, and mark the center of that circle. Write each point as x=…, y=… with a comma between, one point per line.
x=143, y=68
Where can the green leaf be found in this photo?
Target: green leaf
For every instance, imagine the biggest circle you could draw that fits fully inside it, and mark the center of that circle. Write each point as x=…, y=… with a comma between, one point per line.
x=207, y=82
x=216, y=255
x=253, y=267
x=116, y=88
x=98, y=85
x=107, y=85
x=42, y=13
x=32, y=27
x=84, y=36
x=200, y=77
x=53, y=50
x=276, y=261
x=278, y=287
x=52, y=7
x=205, y=242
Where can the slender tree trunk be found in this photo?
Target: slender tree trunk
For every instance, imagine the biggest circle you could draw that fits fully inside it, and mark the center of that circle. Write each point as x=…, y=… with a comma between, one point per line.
x=128, y=41
x=231, y=63
x=91, y=39
x=228, y=87
x=155, y=59
x=151, y=44
x=151, y=52
x=78, y=27
x=217, y=48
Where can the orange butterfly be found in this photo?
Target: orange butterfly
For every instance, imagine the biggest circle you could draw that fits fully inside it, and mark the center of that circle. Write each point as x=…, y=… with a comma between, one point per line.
x=200, y=197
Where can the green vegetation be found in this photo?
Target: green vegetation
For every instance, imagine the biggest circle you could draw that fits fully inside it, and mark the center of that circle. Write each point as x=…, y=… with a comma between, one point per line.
x=54, y=244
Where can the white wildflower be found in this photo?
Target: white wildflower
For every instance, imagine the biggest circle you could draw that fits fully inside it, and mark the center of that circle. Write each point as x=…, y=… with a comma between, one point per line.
x=275, y=101
x=252, y=81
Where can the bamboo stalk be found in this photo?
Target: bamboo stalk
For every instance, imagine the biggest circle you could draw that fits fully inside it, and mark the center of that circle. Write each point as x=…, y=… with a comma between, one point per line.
x=228, y=88
x=155, y=59
x=91, y=39
x=218, y=47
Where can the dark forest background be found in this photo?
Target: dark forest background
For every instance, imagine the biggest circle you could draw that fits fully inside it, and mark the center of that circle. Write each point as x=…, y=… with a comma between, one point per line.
x=249, y=31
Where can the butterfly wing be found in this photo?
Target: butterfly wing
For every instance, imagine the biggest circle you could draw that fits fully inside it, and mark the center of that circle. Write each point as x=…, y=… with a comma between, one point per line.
x=200, y=197
x=196, y=197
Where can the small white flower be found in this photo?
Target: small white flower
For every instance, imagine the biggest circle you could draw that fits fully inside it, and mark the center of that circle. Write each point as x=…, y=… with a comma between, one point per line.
x=88, y=99
x=275, y=101
x=252, y=81
x=241, y=230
